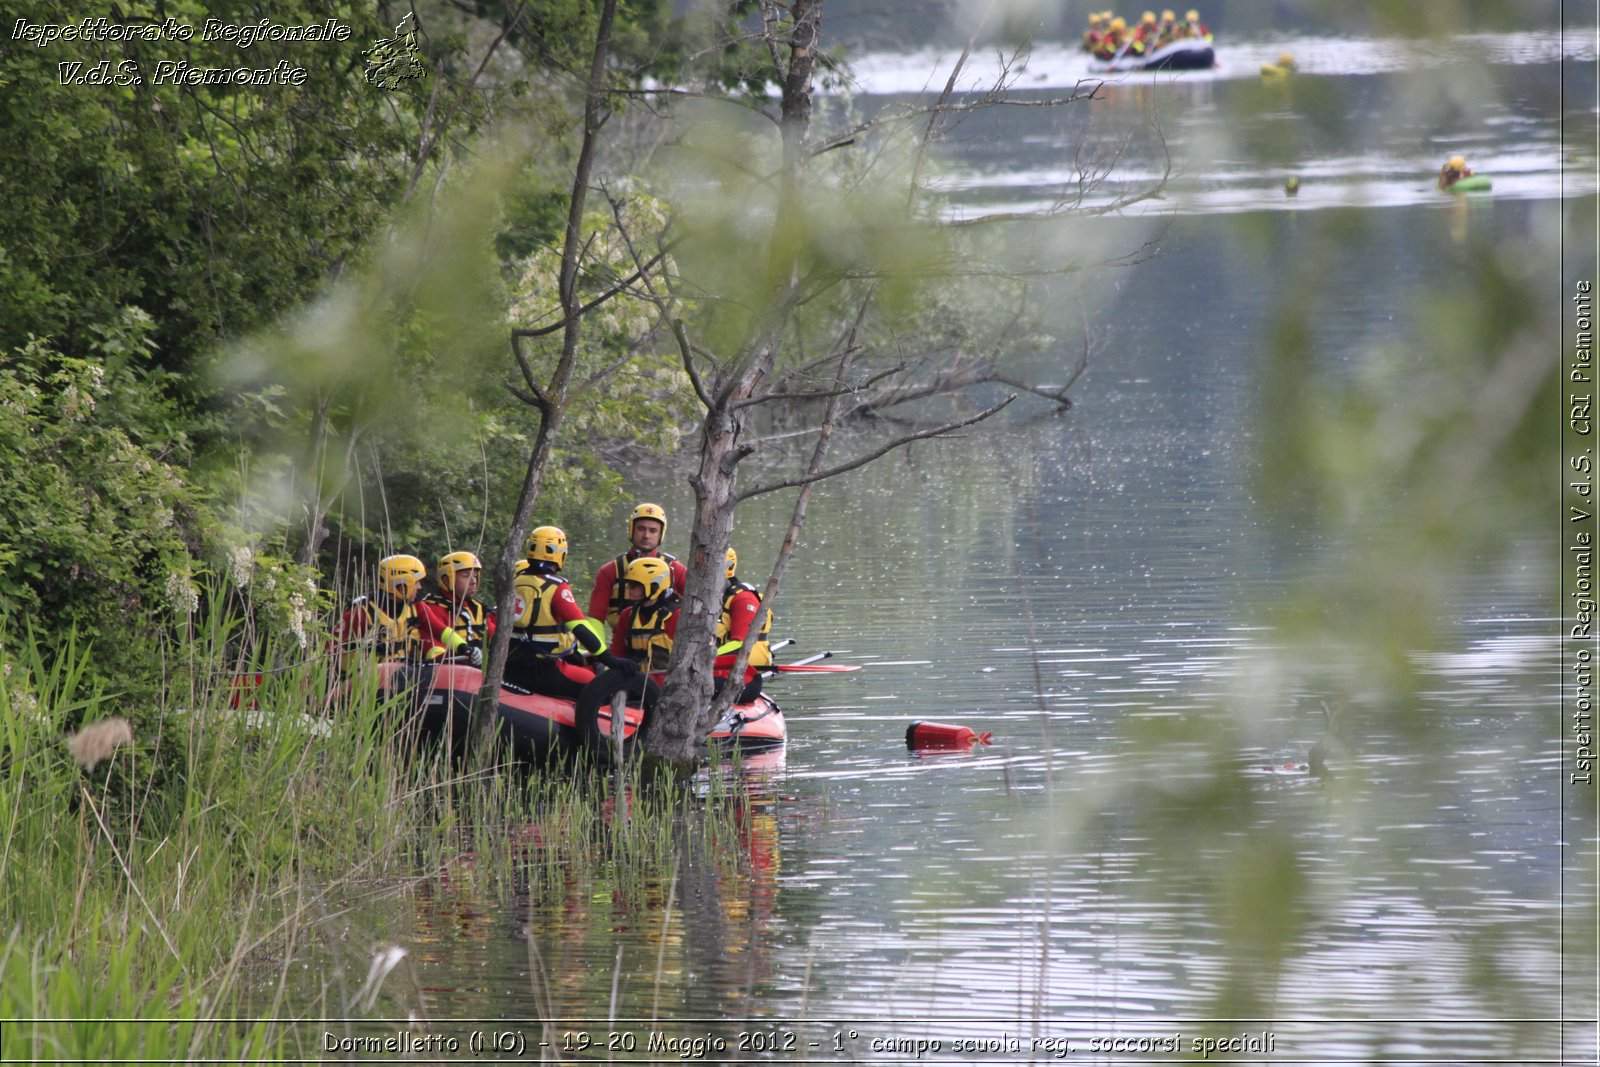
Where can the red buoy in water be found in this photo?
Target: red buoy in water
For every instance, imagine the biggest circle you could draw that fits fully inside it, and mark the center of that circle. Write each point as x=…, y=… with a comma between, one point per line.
x=943, y=735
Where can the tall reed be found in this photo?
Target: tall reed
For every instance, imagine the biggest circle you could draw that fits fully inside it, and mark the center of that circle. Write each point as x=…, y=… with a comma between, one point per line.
x=143, y=883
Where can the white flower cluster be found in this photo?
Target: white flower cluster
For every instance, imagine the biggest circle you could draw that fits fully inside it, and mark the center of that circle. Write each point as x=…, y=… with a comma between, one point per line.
x=19, y=696
x=610, y=253
x=182, y=594
x=298, y=617
x=241, y=565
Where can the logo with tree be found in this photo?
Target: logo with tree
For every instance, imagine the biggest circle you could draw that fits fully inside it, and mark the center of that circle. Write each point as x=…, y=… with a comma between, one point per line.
x=395, y=59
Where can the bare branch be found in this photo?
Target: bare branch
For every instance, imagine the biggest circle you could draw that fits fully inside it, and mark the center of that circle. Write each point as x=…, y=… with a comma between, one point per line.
x=944, y=99
x=687, y=350
x=433, y=133
x=862, y=461
x=610, y=293
x=1058, y=394
x=535, y=394
x=825, y=394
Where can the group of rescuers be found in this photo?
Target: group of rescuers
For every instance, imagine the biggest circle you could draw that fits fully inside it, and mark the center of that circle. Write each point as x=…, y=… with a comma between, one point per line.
x=1108, y=35
x=555, y=645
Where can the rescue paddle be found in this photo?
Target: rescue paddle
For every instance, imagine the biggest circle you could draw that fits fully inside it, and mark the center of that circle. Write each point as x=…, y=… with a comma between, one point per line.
x=809, y=665
x=815, y=668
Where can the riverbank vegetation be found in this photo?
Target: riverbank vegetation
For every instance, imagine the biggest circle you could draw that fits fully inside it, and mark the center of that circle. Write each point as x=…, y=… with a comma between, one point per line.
x=174, y=889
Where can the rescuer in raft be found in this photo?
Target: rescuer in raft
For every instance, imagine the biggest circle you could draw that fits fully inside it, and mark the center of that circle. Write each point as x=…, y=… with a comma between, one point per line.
x=1116, y=39
x=1096, y=32
x=1147, y=32
x=646, y=627
x=741, y=607
x=552, y=635
x=1455, y=168
x=457, y=579
x=1193, y=27
x=394, y=623
x=647, y=527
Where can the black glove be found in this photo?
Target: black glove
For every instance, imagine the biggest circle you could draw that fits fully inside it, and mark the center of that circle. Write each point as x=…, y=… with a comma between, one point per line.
x=618, y=663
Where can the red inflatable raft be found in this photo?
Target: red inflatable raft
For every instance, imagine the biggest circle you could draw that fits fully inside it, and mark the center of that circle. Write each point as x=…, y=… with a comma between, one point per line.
x=539, y=727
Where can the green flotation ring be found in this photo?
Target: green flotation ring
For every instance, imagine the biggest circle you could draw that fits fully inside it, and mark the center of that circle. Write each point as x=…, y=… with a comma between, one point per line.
x=1477, y=183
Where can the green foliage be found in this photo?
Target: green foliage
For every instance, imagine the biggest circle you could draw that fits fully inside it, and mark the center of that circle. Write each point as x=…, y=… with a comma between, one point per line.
x=637, y=389
x=212, y=207
x=386, y=401
x=100, y=522
x=1425, y=456
x=742, y=232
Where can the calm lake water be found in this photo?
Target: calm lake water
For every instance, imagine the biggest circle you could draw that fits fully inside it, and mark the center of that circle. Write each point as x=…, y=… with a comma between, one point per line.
x=1086, y=587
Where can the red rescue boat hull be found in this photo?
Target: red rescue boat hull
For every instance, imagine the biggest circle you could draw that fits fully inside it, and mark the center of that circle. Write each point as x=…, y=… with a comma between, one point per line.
x=539, y=727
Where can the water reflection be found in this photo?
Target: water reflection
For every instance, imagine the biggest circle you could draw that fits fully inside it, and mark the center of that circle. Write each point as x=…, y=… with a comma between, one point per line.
x=859, y=886
x=529, y=934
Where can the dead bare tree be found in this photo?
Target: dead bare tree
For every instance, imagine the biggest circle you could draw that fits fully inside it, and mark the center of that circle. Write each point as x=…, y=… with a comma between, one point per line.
x=732, y=386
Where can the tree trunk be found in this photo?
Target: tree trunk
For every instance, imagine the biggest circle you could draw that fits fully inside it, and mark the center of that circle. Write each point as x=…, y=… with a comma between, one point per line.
x=684, y=714
x=552, y=401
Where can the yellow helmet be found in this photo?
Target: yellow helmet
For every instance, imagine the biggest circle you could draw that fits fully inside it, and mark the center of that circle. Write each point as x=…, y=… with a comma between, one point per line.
x=401, y=576
x=548, y=544
x=1192, y=15
x=453, y=564
x=650, y=572
x=1456, y=163
x=648, y=511
x=733, y=562
x=1118, y=24
x=1168, y=16
x=1148, y=18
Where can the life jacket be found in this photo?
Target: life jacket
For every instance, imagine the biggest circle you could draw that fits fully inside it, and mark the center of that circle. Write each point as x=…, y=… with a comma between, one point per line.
x=536, y=622
x=468, y=617
x=618, y=601
x=1111, y=44
x=648, y=642
x=393, y=635
x=761, y=651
